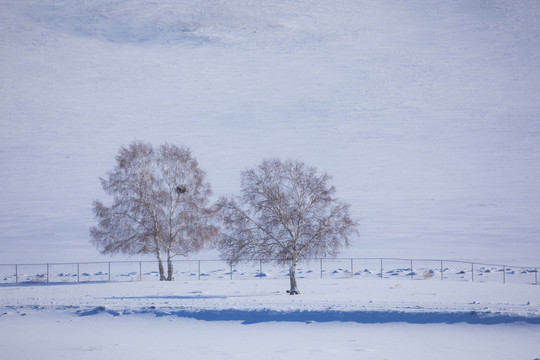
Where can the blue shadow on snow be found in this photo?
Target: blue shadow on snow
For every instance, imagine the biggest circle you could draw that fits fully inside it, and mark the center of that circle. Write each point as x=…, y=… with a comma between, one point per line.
x=361, y=317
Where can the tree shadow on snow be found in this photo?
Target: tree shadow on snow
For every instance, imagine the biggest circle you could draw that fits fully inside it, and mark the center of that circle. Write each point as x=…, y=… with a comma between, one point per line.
x=361, y=317
x=319, y=316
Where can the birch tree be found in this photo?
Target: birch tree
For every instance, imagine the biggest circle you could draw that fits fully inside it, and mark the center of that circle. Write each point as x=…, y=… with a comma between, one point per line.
x=160, y=205
x=286, y=212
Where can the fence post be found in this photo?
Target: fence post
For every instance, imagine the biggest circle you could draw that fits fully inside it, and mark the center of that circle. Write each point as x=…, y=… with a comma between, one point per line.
x=231, y=271
x=472, y=272
x=47, y=273
x=442, y=271
x=381, y=269
x=16, y=274
x=504, y=274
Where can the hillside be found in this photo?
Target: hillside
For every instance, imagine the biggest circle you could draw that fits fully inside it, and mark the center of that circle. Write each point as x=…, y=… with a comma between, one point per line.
x=426, y=115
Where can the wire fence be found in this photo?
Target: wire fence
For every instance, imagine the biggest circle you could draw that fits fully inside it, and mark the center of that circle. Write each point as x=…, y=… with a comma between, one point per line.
x=358, y=268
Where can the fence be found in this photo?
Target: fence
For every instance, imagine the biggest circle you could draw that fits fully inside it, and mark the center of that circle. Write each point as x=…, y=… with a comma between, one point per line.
x=361, y=268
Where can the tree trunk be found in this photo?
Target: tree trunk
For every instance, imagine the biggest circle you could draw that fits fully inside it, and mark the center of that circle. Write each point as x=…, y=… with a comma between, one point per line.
x=170, y=270
x=292, y=276
x=160, y=265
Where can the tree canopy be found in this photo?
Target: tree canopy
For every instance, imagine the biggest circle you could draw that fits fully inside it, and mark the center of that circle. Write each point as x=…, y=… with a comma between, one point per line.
x=160, y=205
x=285, y=212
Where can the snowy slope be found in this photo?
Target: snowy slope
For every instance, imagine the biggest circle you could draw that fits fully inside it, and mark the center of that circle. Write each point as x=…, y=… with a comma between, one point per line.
x=426, y=114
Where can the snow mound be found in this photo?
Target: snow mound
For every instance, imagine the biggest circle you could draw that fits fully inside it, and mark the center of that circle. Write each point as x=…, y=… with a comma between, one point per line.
x=98, y=310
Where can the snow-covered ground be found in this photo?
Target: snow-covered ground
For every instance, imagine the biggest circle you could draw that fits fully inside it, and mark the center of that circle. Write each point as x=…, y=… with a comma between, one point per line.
x=346, y=319
x=426, y=114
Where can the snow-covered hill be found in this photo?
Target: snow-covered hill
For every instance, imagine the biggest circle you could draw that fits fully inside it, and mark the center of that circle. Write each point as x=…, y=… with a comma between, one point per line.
x=427, y=114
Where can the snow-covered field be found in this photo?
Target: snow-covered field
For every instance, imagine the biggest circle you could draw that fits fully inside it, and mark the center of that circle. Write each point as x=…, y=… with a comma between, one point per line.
x=221, y=319
x=426, y=113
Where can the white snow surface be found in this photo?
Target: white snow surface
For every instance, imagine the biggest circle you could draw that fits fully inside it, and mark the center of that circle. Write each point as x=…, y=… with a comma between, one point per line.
x=426, y=114
x=346, y=319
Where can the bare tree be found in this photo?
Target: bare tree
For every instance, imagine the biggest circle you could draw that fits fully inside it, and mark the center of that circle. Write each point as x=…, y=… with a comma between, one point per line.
x=160, y=205
x=286, y=212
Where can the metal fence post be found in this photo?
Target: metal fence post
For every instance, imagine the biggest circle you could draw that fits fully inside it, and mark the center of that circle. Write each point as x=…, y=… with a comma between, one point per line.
x=442, y=271
x=16, y=274
x=504, y=274
x=231, y=271
x=472, y=272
